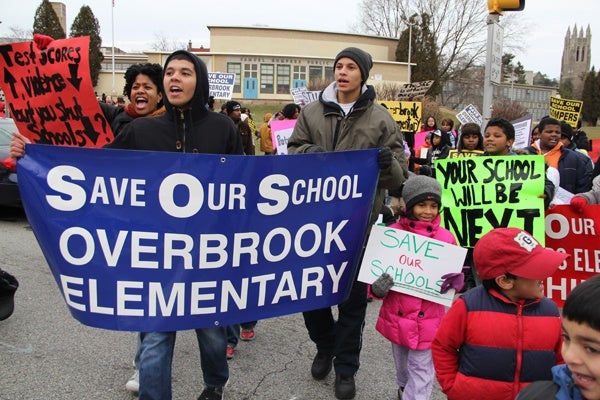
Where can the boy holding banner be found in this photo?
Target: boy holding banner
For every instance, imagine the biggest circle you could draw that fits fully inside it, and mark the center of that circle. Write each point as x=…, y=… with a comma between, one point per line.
x=187, y=126
x=499, y=337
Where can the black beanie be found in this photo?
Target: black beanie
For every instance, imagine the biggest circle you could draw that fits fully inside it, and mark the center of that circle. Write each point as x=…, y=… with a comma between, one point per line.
x=566, y=130
x=232, y=105
x=360, y=57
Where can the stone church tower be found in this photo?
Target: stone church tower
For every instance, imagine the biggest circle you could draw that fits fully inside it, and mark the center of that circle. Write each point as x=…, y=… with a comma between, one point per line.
x=576, y=58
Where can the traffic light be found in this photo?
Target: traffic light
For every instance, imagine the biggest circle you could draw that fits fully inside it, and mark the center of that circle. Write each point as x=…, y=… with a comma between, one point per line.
x=497, y=6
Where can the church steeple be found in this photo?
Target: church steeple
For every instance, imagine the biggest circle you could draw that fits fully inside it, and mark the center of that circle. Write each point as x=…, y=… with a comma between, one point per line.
x=576, y=58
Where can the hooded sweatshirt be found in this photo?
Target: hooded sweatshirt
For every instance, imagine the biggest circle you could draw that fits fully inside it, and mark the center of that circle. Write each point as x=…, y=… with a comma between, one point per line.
x=191, y=129
x=367, y=125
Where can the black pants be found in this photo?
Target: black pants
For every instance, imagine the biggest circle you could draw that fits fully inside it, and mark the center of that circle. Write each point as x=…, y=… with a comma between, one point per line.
x=342, y=338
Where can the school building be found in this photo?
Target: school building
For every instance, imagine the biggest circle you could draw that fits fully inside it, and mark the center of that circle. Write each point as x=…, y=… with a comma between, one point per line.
x=268, y=62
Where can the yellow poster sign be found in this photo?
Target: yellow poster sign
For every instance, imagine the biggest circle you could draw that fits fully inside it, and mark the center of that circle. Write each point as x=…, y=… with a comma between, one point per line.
x=406, y=113
x=566, y=110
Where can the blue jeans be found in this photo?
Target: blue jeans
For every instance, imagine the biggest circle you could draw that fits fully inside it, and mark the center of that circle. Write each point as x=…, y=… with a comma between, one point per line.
x=156, y=356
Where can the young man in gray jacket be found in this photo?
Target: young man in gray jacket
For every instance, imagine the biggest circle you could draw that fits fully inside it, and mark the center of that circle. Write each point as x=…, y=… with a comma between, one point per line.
x=346, y=117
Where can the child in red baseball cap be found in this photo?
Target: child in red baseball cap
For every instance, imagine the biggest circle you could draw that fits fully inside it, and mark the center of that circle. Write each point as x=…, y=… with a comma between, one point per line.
x=499, y=337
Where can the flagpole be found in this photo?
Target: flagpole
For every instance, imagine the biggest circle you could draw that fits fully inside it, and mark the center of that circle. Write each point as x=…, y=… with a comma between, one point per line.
x=112, y=22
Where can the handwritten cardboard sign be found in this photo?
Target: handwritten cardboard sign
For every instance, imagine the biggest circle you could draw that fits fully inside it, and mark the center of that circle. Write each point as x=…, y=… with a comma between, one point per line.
x=487, y=192
x=416, y=262
x=576, y=234
x=406, y=113
x=50, y=93
x=409, y=91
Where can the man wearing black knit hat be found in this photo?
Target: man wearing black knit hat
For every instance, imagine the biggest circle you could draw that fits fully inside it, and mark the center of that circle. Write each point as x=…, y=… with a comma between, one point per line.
x=346, y=117
x=362, y=59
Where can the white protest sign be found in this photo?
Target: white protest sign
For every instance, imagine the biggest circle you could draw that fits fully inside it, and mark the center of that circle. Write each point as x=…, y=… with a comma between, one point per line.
x=415, y=262
x=522, y=131
x=220, y=85
x=303, y=96
x=299, y=95
x=470, y=114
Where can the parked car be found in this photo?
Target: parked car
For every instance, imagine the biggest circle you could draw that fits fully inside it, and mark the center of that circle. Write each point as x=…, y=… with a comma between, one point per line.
x=9, y=188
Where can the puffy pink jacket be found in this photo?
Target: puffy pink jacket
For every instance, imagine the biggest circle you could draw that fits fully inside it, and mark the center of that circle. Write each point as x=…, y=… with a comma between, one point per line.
x=407, y=320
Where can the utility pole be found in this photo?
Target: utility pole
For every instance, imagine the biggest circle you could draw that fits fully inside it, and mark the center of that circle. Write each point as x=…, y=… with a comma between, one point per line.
x=409, y=50
x=493, y=57
x=493, y=64
x=410, y=24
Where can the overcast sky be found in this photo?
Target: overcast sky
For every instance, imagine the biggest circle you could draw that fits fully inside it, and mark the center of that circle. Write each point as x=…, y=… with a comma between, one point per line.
x=137, y=22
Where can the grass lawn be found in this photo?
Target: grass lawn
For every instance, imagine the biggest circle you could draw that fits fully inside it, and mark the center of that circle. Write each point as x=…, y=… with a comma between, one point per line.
x=259, y=109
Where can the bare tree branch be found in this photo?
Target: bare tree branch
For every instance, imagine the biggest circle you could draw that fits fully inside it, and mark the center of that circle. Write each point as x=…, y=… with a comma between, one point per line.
x=165, y=43
x=459, y=27
x=16, y=32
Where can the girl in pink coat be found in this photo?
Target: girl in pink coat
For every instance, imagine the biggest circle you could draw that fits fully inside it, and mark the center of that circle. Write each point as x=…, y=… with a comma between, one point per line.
x=409, y=322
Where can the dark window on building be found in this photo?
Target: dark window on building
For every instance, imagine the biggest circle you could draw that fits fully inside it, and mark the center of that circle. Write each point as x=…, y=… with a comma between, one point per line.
x=283, y=79
x=267, y=78
x=315, y=73
x=299, y=72
x=236, y=68
x=329, y=76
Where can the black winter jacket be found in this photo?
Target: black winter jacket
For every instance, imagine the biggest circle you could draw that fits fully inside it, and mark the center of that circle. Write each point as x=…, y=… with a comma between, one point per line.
x=575, y=170
x=194, y=129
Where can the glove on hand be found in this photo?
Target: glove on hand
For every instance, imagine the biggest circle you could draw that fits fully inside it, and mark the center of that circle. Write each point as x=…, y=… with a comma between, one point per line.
x=315, y=149
x=42, y=41
x=453, y=280
x=384, y=158
x=578, y=203
x=382, y=285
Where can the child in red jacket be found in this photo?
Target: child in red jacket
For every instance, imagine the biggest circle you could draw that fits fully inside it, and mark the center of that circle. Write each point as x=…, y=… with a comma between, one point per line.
x=501, y=336
x=409, y=322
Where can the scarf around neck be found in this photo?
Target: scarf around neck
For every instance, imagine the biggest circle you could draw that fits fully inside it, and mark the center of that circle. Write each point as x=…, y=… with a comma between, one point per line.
x=133, y=114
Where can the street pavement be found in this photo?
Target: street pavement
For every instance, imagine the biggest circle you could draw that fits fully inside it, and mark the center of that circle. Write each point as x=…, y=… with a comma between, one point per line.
x=46, y=354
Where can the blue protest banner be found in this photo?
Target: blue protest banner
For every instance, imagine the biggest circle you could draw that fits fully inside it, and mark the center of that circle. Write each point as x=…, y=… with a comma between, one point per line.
x=147, y=241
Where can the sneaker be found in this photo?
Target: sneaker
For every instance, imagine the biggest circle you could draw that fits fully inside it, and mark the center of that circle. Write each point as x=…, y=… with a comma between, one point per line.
x=230, y=351
x=400, y=392
x=211, y=393
x=247, y=335
x=321, y=365
x=133, y=384
x=344, y=387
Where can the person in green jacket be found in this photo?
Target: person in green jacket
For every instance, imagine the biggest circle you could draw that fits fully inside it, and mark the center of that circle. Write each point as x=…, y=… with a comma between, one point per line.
x=346, y=117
